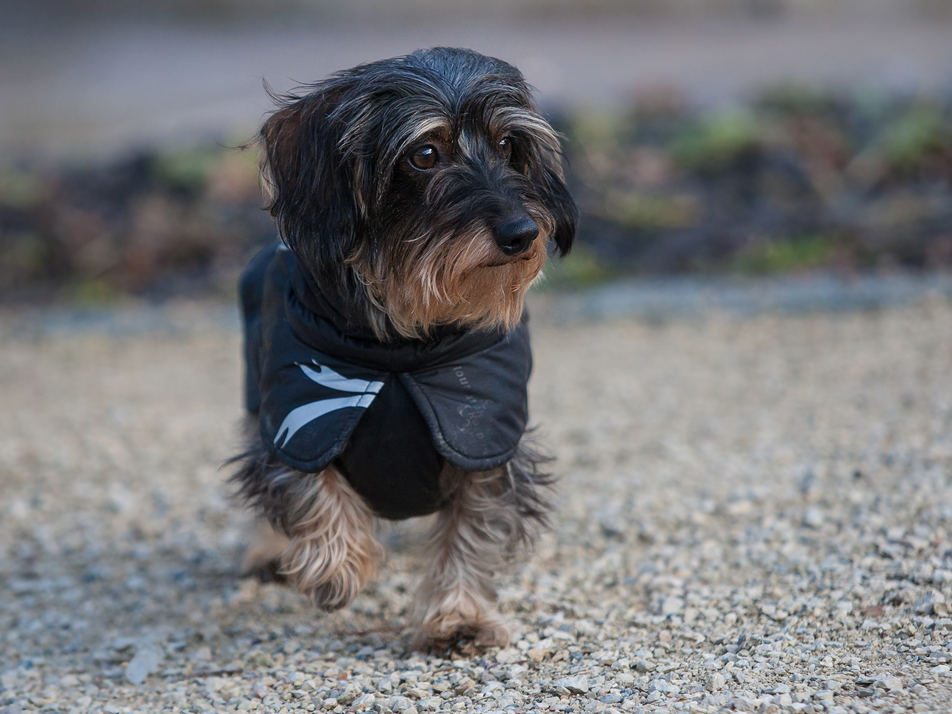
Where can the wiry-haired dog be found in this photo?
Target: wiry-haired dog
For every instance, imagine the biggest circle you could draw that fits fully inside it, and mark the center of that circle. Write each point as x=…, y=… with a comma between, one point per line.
x=386, y=342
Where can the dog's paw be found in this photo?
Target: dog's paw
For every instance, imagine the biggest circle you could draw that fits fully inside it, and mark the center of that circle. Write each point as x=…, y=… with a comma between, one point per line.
x=331, y=572
x=469, y=636
x=334, y=590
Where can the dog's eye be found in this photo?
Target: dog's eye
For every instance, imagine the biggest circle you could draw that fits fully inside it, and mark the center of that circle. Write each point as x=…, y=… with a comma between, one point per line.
x=504, y=147
x=424, y=158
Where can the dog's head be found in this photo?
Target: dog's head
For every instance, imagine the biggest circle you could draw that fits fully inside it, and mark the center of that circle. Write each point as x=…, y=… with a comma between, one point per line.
x=424, y=189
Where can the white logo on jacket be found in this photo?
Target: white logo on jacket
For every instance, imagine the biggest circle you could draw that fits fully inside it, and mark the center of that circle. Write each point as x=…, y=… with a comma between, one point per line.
x=325, y=376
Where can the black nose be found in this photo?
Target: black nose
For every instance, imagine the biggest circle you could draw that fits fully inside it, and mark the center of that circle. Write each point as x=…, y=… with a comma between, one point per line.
x=515, y=237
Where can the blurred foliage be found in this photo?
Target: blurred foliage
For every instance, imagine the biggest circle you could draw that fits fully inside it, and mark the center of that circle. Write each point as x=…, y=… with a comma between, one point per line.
x=583, y=269
x=152, y=222
x=917, y=136
x=785, y=256
x=797, y=179
x=715, y=142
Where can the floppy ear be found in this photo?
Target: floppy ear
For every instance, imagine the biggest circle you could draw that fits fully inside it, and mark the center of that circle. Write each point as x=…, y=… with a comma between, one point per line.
x=561, y=205
x=310, y=181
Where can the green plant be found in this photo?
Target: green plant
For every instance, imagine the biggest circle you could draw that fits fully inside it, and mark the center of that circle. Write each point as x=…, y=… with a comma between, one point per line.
x=914, y=135
x=781, y=256
x=651, y=212
x=582, y=268
x=185, y=168
x=718, y=140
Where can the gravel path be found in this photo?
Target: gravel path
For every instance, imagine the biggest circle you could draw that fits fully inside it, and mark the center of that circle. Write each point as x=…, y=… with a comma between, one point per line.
x=755, y=515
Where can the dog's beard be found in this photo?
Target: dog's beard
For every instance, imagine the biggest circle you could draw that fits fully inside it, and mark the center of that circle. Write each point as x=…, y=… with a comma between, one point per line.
x=461, y=279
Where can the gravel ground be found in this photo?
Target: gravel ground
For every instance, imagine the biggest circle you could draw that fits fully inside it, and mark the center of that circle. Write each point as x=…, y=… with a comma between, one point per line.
x=754, y=514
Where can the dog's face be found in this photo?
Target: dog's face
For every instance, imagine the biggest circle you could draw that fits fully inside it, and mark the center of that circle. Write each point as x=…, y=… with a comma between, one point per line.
x=424, y=188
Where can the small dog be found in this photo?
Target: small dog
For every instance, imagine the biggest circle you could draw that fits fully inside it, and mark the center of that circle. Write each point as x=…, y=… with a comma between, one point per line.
x=386, y=342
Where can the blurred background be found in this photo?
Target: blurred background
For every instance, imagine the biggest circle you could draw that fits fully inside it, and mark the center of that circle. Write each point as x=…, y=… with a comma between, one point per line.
x=704, y=137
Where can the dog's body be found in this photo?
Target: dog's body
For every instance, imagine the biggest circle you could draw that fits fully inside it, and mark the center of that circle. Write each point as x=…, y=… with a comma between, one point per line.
x=386, y=341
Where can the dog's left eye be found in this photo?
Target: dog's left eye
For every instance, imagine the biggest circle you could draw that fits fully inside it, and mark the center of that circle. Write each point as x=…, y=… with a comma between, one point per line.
x=504, y=147
x=425, y=157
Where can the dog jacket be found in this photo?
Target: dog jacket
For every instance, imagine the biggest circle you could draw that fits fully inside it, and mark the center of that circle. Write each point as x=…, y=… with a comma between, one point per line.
x=387, y=415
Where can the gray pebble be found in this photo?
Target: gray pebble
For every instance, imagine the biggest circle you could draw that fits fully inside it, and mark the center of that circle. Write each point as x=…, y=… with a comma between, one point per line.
x=144, y=663
x=576, y=685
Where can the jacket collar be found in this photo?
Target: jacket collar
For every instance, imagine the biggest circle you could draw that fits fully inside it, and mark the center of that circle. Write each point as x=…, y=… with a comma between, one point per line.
x=320, y=319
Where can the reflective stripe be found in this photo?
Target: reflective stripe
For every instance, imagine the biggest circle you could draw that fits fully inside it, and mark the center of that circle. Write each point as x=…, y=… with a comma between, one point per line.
x=307, y=413
x=327, y=377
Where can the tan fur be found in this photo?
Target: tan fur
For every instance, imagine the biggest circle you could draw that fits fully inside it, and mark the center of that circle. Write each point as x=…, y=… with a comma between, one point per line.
x=473, y=538
x=461, y=280
x=332, y=551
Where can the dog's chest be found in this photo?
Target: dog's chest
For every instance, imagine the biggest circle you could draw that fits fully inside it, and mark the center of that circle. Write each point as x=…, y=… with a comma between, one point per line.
x=390, y=459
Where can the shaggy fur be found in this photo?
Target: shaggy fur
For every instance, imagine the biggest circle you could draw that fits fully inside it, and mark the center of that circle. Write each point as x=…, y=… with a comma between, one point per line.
x=413, y=249
x=421, y=194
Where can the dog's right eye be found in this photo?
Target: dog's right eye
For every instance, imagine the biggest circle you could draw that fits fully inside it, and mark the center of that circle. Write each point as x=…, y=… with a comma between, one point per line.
x=424, y=158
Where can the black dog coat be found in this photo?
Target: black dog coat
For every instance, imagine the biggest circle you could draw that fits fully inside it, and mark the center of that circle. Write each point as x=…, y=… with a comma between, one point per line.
x=386, y=414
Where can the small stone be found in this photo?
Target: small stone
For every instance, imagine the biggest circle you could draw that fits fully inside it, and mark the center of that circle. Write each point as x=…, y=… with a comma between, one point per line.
x=508, y=655
x=576, y=685
x=784, y=701
x=843, y=609
x=653, y=697
x=363, y=701
x=824, y=695
x=625, y=680
x=612, y=699
x=537, y=655
x=926, y=605
x=621, y=664
x=492, y=687
x=813, y=518
x=743, y=704
x=260, y=691
x=672, y=605
x=715, y=682
x=401, y=704
x=892, y=684
x=585, y=628
x=145, y=662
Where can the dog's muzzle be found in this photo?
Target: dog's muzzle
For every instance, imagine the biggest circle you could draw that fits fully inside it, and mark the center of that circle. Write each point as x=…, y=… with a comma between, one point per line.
x=515, y=237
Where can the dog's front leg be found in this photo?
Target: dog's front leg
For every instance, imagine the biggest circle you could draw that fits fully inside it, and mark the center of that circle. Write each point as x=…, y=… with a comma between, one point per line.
x=332, y=551
x=472, y=539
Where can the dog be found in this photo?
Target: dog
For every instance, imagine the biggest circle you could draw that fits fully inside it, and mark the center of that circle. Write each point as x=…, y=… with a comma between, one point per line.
x=386, y=340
